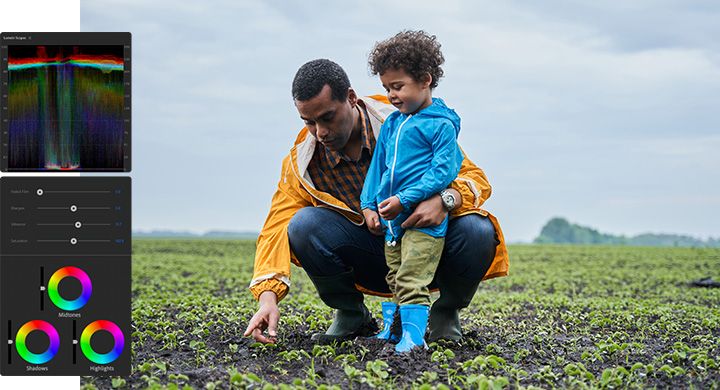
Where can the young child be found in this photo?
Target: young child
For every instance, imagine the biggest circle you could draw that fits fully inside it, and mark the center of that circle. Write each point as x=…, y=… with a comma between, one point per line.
x=416, y=157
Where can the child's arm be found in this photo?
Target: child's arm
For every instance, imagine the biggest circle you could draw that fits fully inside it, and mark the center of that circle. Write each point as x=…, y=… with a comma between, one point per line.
x=371, y=186
x=390, y=208
x=372, y=220
x=444, y=167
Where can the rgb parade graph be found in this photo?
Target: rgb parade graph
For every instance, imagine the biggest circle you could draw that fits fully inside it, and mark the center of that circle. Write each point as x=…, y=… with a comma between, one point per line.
x=65, y=102
x=65, y=107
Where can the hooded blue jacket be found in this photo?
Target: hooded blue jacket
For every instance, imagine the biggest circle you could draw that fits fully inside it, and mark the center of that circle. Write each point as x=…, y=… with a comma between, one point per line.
x=416, y=156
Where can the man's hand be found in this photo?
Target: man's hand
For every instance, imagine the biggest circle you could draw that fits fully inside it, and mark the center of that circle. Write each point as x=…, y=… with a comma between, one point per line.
x=430, y=212
x=372, y=220
x=390, y=208
x=266, y=317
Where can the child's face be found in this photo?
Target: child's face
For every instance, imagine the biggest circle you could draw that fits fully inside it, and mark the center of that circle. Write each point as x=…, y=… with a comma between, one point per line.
x=404, y=92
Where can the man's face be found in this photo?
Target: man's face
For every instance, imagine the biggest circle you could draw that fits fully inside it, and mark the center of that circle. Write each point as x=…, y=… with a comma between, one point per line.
x=330, y=121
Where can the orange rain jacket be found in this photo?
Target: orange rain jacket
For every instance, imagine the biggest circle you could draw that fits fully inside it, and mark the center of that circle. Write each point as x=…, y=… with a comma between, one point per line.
x=296, y=190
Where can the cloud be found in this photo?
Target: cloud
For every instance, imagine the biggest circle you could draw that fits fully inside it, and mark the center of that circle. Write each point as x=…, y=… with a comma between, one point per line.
x=573, y=108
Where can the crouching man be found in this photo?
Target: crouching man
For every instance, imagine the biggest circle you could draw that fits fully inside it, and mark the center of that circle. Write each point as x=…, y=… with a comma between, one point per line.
x=315, y=220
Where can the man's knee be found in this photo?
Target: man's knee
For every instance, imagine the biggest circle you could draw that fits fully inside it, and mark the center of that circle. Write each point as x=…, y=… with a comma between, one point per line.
x=470, y=246
x=304, y=222
x=303, y=232
x=475, y=231
x=310, y=233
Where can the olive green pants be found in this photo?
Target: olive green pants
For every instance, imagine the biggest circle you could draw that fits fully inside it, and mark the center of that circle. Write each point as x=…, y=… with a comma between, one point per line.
x=413, y=262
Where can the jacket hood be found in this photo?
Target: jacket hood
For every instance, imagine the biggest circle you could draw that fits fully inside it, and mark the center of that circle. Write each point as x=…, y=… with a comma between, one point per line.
x=439, y=109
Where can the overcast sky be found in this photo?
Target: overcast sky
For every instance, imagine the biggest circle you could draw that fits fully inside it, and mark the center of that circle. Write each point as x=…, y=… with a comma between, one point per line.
x=605, y=113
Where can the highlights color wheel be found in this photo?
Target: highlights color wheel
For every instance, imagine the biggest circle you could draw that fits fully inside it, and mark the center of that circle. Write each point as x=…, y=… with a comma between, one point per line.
x=102, y=358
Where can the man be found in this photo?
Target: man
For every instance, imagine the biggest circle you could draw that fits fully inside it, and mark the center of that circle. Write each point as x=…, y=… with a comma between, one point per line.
x=315, y=219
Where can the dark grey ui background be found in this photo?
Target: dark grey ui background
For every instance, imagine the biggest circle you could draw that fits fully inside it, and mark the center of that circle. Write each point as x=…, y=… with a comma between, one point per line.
x=37, y=225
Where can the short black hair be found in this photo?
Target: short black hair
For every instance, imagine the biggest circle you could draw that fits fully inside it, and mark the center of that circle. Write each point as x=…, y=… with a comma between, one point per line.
x=314, y=75
x=415, y=52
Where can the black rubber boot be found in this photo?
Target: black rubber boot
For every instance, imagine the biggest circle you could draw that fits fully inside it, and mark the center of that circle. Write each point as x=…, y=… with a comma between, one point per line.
x=352, y=318
x=455, y=293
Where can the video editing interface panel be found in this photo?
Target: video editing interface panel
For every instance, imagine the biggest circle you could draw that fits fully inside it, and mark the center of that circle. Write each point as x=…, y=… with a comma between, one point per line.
x=66, y=102
x=65, y=270
x=65, y=241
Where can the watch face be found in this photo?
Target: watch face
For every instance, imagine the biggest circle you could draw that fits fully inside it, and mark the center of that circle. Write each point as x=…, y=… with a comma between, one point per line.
x=449, y=201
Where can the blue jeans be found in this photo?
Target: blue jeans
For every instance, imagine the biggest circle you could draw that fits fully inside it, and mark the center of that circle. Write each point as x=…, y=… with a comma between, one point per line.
x=327, y=244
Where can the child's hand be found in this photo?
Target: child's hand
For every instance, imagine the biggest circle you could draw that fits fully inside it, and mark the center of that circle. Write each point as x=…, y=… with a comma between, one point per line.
x=372, y=220
x=390, y=208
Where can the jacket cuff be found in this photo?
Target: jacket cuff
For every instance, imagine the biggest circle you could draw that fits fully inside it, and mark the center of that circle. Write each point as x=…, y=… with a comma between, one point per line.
x=406, y=204
x=278, y=287
x=469, y=193
x=369, y=206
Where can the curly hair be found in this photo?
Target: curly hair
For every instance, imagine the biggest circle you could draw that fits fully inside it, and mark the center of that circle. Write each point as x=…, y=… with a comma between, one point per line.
x=314, y=75
x=415, y=52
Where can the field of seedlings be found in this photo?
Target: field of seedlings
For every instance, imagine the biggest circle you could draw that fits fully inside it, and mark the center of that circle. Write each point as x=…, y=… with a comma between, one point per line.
x=566, y=316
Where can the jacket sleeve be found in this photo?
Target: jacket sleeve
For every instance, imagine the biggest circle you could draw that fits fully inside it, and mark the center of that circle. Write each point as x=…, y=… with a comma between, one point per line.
x=371, y=186
x=473, y=186
x=443, y=169
x=273, y=255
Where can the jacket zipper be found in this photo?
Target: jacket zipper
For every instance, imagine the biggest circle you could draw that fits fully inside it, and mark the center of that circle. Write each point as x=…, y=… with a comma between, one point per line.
x=392, y=175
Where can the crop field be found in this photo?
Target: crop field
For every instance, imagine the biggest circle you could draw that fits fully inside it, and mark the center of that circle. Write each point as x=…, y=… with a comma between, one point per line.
x=566, y=316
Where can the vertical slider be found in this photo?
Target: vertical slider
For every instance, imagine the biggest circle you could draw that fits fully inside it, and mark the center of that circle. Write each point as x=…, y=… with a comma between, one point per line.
x=74, y=333
x=9, y=342
x=42, y=288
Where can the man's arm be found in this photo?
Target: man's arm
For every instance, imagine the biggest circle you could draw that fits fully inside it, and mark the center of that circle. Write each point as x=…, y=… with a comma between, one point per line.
x=272, y=256
x=472, y=185
x=471, y=189
x=431, y=212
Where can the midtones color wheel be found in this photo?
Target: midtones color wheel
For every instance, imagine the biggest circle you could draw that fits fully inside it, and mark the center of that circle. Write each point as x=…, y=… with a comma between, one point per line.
x=41, y=326
x=102, y=358
x=69, y=272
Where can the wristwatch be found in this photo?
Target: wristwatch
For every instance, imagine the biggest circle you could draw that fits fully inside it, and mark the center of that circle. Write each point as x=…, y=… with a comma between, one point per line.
x=448, y=199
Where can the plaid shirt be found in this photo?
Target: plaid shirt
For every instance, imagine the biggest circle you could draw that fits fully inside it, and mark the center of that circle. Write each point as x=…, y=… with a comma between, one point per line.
x=340, y=176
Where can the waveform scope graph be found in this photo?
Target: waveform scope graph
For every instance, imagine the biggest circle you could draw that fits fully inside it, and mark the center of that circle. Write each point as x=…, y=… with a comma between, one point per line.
x=65, y=107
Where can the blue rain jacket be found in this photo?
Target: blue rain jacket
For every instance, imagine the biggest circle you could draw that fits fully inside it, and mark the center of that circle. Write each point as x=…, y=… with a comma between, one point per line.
x=416, y=156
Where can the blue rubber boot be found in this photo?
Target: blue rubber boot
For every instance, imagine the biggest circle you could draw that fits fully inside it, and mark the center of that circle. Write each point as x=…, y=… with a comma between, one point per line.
x=390, y=333
x=414, y=323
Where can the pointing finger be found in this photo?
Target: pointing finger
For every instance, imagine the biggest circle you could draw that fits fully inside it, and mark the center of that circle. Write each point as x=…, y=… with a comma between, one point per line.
x=272, y=324
x=252, y=325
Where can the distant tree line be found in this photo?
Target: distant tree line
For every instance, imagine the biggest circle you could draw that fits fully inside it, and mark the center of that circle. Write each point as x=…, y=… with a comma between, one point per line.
x=560, y=231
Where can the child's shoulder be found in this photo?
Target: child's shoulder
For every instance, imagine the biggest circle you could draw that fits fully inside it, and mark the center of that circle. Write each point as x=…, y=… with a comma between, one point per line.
x=438, y=116
x=393, y=116
x=434, y=122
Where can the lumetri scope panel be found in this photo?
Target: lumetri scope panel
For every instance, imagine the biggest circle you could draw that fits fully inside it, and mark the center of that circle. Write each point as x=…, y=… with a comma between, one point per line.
x=65, y=263
x=65, y=102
